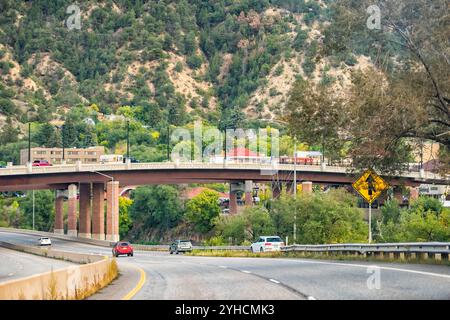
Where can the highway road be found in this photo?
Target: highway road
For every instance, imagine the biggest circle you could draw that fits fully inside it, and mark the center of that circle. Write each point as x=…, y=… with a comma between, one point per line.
x=185, y=277
x=15, y=265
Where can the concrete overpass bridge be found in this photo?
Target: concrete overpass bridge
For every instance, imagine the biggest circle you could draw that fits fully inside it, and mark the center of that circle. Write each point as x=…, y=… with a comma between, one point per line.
x=91, y=182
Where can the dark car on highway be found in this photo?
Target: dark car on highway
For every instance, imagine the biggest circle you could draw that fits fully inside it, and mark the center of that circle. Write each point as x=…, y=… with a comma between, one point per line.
x=180, y=246
x=122, y=248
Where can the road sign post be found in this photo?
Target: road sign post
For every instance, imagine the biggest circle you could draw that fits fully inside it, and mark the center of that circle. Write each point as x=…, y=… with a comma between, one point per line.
x=370, y=223
x=370, y=186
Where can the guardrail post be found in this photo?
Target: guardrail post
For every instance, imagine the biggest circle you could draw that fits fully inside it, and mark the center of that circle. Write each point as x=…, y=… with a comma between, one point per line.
x=438, y=256
x=29, y=167
x=424, y=255
x=413, y=255
x=402, y=256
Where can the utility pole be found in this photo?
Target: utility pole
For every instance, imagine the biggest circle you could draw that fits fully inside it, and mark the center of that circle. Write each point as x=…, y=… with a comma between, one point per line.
x=295, y=190
x=128, y=140
x=29, y=141
x=225, y=149
x=33, y=209
x=168, y=142
x=63, y=145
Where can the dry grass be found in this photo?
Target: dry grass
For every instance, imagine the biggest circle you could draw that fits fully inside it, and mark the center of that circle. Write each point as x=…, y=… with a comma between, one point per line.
x=305, y=255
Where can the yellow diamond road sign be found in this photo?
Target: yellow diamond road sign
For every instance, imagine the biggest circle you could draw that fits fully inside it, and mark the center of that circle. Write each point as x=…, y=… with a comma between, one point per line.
x=370, y=186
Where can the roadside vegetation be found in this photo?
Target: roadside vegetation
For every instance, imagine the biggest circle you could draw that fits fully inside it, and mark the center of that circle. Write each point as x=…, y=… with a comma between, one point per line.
x=157, y=214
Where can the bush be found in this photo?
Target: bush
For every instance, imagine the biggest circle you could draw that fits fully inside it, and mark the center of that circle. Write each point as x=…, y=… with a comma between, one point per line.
x=194, y=61
x=425, y=220
x=309, y=67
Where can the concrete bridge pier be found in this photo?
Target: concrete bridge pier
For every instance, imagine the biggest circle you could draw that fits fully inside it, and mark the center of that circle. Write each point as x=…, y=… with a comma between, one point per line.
x=112, y=211
x=59, y=214
x=277, y=187
x=98, y=211
x=72, y=211
x=307, y=187
x=85, y=211
x=413, y=193
x=248, y=193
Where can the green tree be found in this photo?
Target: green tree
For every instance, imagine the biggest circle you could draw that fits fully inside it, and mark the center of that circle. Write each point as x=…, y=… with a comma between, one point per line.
x=44, y=210
x=10, y=214
x=202, y=210
x=155, y=207
x=125, y=222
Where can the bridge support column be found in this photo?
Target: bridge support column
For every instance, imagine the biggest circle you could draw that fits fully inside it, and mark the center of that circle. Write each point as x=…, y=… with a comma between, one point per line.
x=249, y=193
x=233, y=202
x=112, y=211
x=98, y=211
x=307, y=187
x=59, y=213
x=85, y=211
x=290, y=187
x=413, y=194
x=72, y=211
x=277, y=187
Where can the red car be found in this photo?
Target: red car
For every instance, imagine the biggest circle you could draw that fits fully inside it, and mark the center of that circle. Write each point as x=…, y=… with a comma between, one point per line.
x=41, y=163
x=122, y=248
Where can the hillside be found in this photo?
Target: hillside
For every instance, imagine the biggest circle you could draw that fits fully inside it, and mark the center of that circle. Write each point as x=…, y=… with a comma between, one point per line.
x=178, y=60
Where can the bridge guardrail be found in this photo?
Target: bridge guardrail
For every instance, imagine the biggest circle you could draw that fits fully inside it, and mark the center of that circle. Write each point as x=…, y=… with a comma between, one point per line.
x=68, y=168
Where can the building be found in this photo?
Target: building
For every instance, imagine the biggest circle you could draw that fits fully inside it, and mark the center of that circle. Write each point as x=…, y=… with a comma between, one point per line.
x=71, y=155
x=240, y=155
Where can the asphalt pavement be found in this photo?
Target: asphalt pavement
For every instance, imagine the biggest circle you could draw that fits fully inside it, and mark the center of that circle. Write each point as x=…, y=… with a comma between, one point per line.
x=182, y=277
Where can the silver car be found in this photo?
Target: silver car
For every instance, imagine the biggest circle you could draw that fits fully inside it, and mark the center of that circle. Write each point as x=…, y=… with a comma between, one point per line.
x=180, y=246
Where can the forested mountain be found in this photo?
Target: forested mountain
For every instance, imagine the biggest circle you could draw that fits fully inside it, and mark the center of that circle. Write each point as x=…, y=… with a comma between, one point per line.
x=176, y=60
x=231, y=63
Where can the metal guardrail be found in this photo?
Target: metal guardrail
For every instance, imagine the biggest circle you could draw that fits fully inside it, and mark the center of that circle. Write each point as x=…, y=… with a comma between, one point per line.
x=419, y=247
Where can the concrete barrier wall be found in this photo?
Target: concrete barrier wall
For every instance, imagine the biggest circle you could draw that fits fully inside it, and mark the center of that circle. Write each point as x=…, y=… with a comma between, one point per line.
x=72, y=283
x=101, y=243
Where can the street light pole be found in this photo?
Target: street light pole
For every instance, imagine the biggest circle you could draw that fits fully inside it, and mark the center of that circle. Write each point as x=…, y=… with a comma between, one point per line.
x=128, y=140
x=295, y=190
x=112, y=195
x=29, y=141
x=168, y=142
x=33, y=209
x=63, y=144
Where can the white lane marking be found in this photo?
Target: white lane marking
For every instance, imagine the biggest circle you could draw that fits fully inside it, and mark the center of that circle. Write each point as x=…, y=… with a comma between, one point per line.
x=223, y=267
x=311, y=298
x=245, y=271
x=383, y=268
x=10, y=274
x=274, y=281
